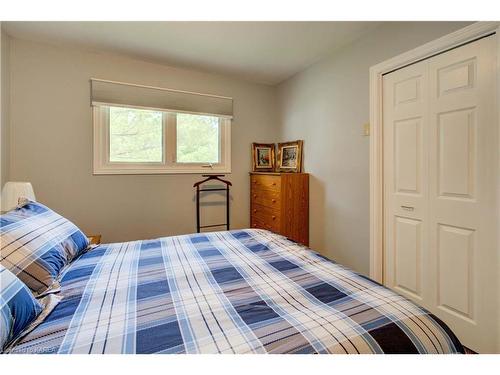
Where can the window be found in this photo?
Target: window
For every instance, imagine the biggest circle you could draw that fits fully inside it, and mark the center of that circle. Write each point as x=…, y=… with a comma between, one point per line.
x=144, y=141
x=135, y=136
x=197, y=139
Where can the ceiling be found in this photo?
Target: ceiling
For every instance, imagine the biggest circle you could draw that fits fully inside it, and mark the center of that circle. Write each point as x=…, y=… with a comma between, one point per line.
x=262, y=52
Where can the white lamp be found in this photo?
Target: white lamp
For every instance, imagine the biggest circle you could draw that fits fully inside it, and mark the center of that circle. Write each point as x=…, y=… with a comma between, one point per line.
x=12, y=191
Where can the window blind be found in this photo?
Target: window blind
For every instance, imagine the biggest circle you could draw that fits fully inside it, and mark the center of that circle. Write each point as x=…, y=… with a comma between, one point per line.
x=120, y=94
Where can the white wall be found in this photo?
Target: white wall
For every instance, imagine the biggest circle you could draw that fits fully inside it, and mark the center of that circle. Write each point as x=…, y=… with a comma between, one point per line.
x=51, y=141
x=327, y=105
x=4, y=107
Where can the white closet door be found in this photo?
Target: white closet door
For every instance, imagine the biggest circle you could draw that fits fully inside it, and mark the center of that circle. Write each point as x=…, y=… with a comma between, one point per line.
x=441, y=170
x=462, y=210
x=406, y=182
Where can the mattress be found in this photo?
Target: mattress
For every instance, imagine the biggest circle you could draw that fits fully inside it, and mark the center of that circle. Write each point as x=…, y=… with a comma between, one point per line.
x=243, y=291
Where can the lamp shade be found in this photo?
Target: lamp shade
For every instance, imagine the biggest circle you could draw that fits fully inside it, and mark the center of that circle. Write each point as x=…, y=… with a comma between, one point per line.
x=11, y=193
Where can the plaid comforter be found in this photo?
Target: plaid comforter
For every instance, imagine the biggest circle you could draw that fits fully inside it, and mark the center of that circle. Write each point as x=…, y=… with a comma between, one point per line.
x=246, y=291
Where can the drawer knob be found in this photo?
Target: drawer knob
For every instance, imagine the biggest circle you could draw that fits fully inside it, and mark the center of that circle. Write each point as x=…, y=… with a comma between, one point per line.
x=273, y=200
x=274, y=183
x=254, y=210
x=255, y=195
x=274, y=217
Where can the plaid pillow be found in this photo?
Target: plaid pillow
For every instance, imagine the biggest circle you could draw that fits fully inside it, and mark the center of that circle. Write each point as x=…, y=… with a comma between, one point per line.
x=36, y=243
x=18, y=308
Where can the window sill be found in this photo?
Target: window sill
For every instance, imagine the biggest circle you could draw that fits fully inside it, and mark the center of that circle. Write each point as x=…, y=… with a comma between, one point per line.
x=115, y=171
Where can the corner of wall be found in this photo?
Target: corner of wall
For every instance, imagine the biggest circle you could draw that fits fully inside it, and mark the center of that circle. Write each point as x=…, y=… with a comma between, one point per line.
x=4, y=106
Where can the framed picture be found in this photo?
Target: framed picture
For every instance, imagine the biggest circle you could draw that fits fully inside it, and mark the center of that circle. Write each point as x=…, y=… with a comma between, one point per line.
x=290, y=156
x=263, y=157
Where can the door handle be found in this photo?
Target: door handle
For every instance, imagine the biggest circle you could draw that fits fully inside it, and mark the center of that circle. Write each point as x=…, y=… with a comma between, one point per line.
x=408, y=208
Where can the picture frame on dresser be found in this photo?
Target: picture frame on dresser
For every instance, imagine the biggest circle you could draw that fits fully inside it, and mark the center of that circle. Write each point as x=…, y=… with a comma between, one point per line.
x=290, y=156
x=263, y=157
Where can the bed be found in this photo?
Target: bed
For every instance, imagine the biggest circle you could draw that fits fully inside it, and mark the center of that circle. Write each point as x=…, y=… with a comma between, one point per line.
x=242, y=291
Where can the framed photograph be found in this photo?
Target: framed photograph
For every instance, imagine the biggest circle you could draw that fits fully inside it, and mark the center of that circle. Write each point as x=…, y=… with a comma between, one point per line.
x=290, y=156
x=263, y=157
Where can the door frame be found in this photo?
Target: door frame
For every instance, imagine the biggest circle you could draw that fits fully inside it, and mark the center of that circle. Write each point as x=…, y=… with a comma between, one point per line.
x=455, y=39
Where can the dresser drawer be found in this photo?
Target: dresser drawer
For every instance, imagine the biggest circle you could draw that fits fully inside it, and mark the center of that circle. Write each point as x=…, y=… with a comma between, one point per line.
x=263, y=223
x=266, y=214
x=267, y=182
x=267, y=198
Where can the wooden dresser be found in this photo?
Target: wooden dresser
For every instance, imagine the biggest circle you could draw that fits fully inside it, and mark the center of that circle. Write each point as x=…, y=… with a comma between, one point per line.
x=279, y=202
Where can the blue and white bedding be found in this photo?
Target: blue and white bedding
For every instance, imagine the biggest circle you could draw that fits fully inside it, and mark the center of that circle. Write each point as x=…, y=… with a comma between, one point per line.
x=245, y=291
x=20, y=312
x=37, y=243
x=18, y=308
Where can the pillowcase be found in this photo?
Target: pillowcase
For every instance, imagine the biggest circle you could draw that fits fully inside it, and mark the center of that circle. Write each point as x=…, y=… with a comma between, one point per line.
x=36, y=243
x=18, y=307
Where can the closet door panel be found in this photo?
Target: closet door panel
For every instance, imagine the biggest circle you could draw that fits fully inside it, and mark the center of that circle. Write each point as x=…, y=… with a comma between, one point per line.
x=462, y=219
x=405, y=183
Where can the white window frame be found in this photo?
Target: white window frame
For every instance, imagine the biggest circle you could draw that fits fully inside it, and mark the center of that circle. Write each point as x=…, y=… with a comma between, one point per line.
x=103, y=166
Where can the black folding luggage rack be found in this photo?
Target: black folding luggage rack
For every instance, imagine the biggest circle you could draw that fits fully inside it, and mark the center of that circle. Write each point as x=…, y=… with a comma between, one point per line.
x=197, y=185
